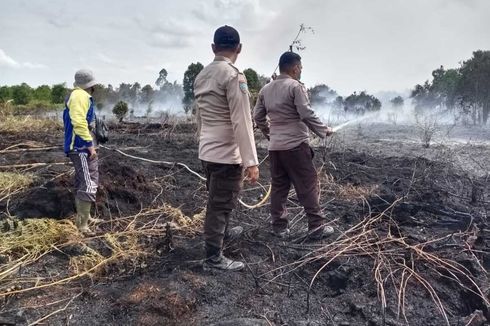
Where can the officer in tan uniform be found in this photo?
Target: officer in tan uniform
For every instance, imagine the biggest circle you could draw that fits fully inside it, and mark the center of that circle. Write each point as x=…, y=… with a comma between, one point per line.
x=226, y=142
x=285, y=102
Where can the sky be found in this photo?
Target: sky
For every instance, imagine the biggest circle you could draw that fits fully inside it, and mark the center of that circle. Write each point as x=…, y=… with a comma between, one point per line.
x=372, y=45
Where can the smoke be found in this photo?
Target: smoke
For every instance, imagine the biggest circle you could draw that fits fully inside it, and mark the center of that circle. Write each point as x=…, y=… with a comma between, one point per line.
x=389, y=114
x=153, y=110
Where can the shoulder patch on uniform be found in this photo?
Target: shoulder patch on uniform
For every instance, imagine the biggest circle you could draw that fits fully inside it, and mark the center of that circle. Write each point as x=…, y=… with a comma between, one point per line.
x=242, y=82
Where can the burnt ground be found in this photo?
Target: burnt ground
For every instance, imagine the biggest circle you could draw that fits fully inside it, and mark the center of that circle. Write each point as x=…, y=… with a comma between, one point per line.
x=429, y=201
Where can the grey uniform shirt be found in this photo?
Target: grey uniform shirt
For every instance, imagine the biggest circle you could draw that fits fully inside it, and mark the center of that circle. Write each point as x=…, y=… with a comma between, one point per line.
x=224, y=118
x=283, y=113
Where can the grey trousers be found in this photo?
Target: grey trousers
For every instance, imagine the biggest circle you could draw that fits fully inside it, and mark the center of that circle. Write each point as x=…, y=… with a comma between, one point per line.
x=86, y=175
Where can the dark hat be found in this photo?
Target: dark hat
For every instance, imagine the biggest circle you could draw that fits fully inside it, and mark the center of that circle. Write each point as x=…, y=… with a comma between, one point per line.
x=226, y=36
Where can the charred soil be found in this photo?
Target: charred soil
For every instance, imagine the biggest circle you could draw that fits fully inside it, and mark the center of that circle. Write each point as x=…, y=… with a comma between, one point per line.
x=411, y=243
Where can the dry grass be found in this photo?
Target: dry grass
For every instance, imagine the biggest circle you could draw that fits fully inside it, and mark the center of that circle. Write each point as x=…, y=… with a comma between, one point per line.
x=21, y=124
x=24, y=242
x=347, y=192
x=12, y=182
x=126, y=243
x=6, y=109
x=396, y=262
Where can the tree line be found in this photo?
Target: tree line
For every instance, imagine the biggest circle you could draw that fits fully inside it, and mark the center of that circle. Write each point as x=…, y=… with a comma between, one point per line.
x=24, y=94
x=464, y=90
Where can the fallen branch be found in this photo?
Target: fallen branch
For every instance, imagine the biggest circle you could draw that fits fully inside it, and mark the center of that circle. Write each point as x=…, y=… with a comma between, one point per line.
x=55, y=312
x=32, y=165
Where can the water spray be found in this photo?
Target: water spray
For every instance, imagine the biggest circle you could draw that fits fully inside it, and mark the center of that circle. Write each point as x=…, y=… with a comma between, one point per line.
x=345, y=124
x=341, y=126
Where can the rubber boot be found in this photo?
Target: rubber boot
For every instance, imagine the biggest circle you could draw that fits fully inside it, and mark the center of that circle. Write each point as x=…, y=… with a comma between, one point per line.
x=83, y=215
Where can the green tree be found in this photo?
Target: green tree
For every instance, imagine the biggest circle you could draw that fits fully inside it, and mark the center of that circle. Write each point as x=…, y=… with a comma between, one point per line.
x=120, y=110
x=5, y=93
x=100, y=96
x=321, y=95
x=361, y=103
x=124, y=92
x=147, y=94
x=135, y=93
x=252, y=80
x=473, y=87
x=21, y=94
x=58, y=93
x=253, y=83
x=423, y=97
x=162, y=78
x=42, y=93
x=188, y=84
x=264, y=80
x=338, y=103
x=444, y=86
x=397, y=101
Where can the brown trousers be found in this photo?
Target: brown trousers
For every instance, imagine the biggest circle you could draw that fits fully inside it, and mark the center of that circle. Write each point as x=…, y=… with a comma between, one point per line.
x=223, y=182
x=294, y=166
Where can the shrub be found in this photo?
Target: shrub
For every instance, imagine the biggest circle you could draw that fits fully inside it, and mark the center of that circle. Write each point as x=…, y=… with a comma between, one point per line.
x=120, y=110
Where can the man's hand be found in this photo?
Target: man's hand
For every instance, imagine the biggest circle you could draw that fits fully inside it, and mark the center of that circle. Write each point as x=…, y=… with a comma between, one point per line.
x=252, y=174
x=329, y=131
x=92, y=152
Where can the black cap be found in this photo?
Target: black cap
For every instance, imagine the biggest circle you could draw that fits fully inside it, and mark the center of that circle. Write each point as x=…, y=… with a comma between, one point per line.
x=226, y=37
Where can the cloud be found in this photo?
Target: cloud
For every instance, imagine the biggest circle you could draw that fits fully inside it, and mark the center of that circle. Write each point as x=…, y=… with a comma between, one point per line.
x=168, y=33
x=247, y=13
x=162, y=40
x=105, y=59
x=7, y=61
x=34, y=65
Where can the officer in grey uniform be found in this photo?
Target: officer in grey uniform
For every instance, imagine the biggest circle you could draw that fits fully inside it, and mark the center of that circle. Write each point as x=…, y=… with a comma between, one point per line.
x=284, y=115
x=226, y=142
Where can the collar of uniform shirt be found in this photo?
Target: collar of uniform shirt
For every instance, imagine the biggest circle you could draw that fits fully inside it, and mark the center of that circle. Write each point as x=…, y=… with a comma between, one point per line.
x=283, y=76
x=222, y=58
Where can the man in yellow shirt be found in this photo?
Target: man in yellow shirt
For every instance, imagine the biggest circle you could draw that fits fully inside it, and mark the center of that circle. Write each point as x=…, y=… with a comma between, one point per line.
x=79, y=145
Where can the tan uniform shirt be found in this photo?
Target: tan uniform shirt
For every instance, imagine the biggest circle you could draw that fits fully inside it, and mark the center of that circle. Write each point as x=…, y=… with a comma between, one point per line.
x=223, y=110
x=285, y=102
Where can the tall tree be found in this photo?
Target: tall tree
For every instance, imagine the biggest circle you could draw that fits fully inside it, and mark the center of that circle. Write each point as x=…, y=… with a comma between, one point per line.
x=397, y=101
x=252, y=80
x=253, y=85
x=361, y=103
x=58, y=93
x=5, y=93
x=42, y=93
x=162, y=78
x=147, y=93
x=444, y=86
x=188, y=84
x=21, y=94
x=321, y=94
x=473, y=86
